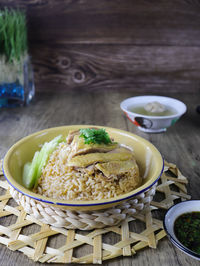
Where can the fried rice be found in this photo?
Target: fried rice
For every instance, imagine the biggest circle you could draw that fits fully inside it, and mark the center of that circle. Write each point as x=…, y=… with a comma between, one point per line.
x=60, y=181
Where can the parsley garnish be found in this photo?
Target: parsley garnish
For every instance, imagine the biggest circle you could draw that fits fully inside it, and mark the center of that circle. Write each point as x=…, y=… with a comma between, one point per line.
x=92, y=135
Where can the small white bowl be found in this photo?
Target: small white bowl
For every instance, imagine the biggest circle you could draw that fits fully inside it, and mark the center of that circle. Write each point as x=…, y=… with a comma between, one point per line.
x=153, y=124
x=170, y=217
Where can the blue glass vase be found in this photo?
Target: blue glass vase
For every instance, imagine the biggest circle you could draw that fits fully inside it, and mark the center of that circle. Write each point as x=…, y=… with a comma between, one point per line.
x=16, y=82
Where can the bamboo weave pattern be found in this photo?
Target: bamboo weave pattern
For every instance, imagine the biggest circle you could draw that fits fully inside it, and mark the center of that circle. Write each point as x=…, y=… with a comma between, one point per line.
x=37, y=244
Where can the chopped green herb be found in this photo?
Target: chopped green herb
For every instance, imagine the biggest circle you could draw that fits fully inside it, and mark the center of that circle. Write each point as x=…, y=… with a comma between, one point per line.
x=92, y=135
x=187, y=230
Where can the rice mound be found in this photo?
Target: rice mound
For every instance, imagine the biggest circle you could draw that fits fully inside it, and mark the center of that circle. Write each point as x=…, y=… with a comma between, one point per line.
x=60, y=181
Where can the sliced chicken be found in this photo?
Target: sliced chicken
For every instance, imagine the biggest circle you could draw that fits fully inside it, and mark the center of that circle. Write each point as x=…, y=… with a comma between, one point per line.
x=121, y=149
x=91, y=158
x=117, y=168
x=78, y=147
x=104, y=160
x=71, y=135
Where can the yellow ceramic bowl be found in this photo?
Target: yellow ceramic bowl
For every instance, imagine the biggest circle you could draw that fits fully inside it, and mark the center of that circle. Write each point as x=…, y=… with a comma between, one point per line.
x=149, y=160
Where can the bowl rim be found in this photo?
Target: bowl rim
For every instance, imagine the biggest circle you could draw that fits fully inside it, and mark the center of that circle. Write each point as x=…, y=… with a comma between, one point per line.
x=178, y=244
x=178, y=114
x=75, y=203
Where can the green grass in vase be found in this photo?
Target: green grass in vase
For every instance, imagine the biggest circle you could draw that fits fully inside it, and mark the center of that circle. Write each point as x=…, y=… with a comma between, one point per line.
x=13, y=34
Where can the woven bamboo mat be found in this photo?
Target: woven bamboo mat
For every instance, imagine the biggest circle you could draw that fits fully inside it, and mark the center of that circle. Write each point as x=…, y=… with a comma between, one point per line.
x=40, y=242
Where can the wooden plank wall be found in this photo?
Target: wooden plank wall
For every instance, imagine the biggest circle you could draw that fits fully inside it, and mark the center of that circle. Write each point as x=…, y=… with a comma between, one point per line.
x=145, y=45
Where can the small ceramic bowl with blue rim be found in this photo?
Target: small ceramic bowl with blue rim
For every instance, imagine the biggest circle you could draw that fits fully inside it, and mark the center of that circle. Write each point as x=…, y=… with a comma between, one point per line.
x=141, y=111
x=171, y=216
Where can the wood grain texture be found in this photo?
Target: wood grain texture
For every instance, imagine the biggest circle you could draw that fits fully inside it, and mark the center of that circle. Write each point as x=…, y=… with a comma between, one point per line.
x=141, y=45
x=111, y=66
x=127, y=22
x=178, y=145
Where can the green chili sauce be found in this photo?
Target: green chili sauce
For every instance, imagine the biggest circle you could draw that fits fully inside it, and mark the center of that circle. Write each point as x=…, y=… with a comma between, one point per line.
x=187, y=230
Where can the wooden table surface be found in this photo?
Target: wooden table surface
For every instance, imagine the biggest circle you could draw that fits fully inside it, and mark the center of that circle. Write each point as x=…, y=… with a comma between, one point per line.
x=180, y=145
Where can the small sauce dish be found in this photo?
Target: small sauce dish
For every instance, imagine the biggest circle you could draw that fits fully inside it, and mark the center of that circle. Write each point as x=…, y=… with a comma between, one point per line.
x=155, y=122
x=175, y=212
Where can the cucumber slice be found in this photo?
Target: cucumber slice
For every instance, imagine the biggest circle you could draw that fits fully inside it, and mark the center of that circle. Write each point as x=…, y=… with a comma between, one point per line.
x=45, y=152
x=32, y=171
